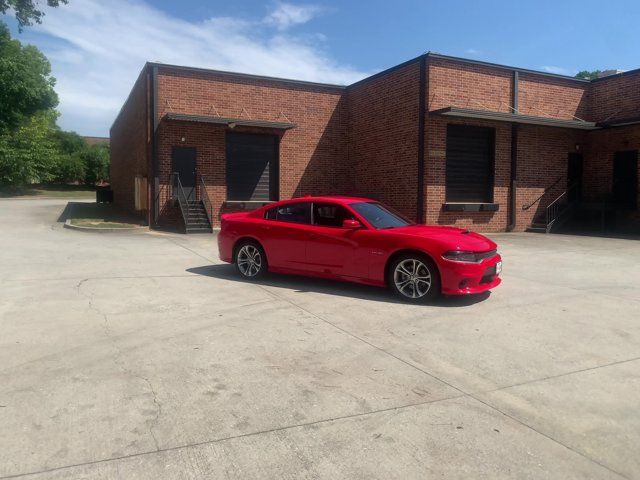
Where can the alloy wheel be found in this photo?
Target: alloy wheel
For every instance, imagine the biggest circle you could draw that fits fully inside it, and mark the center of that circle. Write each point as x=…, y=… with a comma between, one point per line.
x=249, y=261
x=412, y=278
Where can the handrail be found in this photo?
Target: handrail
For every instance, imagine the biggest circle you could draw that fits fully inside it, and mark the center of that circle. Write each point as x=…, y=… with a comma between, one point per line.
x=204, y=196
x=546, y=190
x=183, y=202
x=560, y=205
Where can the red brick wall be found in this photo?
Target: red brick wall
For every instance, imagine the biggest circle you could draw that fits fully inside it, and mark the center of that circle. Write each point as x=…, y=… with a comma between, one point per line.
x=363, y=140
x=598, y=168
x=455, y=84
x=383, y=137
x=616, y=97
x=435, y=168
x=312, y=155
x=542, y=151
x=543, y=96
x=543, y=154
x=130, y=146
x=209, y=142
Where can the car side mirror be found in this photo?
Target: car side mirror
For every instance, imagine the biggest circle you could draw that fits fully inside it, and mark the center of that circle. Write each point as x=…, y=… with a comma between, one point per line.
x=351, y=224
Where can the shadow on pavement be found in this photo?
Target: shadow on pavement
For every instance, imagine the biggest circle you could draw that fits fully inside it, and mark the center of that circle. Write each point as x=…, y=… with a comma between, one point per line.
x=330, y=287
x=104, y=212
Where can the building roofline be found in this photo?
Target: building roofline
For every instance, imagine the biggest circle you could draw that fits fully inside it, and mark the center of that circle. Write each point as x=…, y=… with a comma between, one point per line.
x=617, y=75
x=122, y=108
x=247, y=76
x=386, y=71
x=506, y=67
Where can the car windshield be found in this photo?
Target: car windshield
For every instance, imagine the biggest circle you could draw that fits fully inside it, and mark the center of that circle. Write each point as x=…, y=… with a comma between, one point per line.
x=380, y=217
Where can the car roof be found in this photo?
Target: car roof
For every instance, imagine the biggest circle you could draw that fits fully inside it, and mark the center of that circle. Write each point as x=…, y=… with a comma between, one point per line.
x=341, y=199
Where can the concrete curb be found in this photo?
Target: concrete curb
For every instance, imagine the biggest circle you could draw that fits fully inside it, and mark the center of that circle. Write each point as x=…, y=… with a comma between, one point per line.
x=141, y=229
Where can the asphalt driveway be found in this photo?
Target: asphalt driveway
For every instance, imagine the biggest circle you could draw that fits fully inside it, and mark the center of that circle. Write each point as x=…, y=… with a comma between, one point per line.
x=142, y=356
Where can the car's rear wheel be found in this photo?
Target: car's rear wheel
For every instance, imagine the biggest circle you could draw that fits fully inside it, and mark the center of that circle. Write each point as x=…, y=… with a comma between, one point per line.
x=414, y=278
x=251, y=262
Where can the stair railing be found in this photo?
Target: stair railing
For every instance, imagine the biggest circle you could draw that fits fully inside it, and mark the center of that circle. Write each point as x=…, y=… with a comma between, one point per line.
x=180, y=196
x=560, y=206
x=546, y=190
x=206, y=201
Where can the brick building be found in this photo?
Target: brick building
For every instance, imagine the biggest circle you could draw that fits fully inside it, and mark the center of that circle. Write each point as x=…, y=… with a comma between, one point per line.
x=444, y=140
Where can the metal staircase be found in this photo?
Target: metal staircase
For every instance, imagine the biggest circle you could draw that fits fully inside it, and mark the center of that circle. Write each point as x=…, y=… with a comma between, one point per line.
x=558, y=212
x=197, y=220
x=196, y=214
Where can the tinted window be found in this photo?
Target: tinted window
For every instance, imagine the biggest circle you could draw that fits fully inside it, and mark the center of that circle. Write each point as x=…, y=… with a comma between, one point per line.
x=379, y=216
x=271, y=214
x=251, y=166
x=329, y=215
x=469, y=165
x=295, y=213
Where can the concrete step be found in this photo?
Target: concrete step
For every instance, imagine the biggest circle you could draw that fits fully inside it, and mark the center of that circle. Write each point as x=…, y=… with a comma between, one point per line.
x=533, y=229
x=199, y=230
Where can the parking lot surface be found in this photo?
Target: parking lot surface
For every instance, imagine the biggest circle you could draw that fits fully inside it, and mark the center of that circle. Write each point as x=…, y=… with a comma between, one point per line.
x=141, y=356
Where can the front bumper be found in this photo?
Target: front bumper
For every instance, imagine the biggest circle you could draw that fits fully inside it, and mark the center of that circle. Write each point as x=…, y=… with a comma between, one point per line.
x=460, y=278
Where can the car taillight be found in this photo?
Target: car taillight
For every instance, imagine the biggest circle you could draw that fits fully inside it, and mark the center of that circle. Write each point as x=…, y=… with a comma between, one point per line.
x=461, y=256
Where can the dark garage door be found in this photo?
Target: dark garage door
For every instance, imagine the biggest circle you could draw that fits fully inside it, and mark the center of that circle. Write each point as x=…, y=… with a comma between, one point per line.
x=252, y=162
x=469, y=172
x=625, y=179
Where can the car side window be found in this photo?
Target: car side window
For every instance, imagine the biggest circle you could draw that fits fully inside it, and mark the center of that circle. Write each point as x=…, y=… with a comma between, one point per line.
x=271, y=214
x=330, y=215
x=294, y=213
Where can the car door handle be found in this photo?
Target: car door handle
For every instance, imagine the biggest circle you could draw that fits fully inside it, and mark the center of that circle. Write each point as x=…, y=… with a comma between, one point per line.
x=266, y=227
x=313, y=235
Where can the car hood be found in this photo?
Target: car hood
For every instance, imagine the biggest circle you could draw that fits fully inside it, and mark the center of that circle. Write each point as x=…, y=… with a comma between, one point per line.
x=450, y=237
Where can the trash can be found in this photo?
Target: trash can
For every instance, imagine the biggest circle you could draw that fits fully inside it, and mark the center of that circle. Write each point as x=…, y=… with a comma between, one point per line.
x=104, y=195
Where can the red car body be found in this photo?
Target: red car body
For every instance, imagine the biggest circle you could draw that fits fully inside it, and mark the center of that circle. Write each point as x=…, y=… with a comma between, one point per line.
x=361, y=254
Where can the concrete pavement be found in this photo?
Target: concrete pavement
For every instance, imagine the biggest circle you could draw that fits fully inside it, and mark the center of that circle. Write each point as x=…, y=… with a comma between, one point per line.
x=142, y=356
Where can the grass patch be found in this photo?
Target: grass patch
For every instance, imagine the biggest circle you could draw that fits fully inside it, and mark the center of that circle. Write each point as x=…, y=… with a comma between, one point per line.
x=99, y=215
x=48, y=191
x=89, y=222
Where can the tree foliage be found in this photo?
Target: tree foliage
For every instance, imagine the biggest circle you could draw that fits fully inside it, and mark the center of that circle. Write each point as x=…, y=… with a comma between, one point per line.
x=30, y=153
x=33, y=149
x=39, y=152
x=26, y=84
x=27, y=11
x=588, y=74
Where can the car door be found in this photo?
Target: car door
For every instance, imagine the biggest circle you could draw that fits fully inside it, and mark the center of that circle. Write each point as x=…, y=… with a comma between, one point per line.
x=332, y=249
x=284, y=233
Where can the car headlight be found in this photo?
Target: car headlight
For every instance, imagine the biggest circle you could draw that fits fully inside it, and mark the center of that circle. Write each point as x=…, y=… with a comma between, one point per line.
x=462, y=256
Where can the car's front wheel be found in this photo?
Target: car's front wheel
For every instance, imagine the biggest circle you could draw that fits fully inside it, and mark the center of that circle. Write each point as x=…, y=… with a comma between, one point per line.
x=251, y=262
x=414, y=278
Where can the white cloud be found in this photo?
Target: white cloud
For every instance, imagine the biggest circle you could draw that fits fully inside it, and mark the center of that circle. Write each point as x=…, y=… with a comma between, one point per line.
x=557, y=70
x=287, y=15
x=98, y=48
x=473, y=51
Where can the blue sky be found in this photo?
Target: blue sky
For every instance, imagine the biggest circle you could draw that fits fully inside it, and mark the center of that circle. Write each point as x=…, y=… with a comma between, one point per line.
x=97, y=48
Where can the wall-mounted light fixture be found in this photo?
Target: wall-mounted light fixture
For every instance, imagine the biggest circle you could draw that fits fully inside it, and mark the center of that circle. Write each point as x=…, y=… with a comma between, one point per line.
x=232, y=125
x=578, y=147
x=183, y=139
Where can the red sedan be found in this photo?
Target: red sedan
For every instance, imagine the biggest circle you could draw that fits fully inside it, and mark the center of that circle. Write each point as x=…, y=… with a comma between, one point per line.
x=359, y=240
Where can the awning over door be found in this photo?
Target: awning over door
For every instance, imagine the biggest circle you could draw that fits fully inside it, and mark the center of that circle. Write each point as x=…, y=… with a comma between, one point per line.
x=231, y=122
x=514, y=118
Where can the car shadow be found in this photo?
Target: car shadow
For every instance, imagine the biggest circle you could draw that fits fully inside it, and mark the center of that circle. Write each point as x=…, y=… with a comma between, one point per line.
x=330, y=287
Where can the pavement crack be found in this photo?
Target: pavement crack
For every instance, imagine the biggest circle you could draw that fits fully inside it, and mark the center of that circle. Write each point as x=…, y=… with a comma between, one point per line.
x=117, y=359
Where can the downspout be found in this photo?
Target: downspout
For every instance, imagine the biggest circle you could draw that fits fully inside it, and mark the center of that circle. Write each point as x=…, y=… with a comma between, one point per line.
x=154, y=145
x=514, y=156
x=421, y=126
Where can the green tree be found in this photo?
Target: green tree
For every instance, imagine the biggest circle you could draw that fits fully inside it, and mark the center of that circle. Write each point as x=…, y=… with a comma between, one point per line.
x=588, y=74
x=27, y=11
x=30, y=153
x=69, y=167
x=26, y=84
x=79, y=162
x=96, y=160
